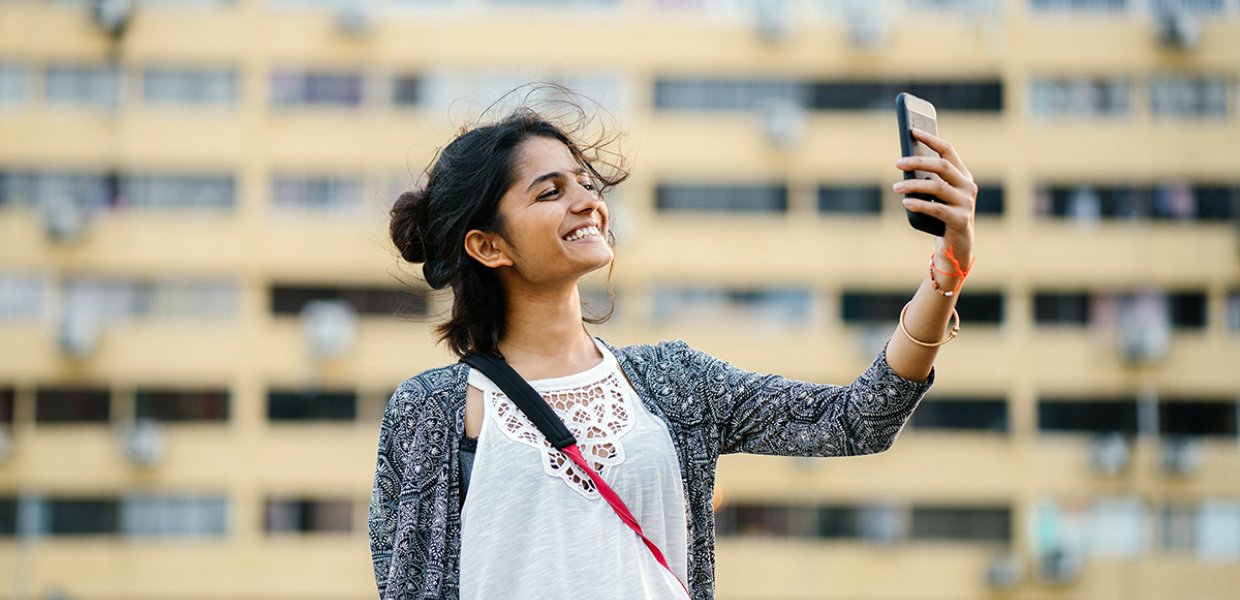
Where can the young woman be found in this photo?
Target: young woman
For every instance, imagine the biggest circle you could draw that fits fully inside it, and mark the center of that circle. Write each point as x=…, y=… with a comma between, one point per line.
x=511, y=218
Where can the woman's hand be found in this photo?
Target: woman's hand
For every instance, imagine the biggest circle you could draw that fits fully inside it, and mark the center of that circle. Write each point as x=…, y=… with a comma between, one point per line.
x=958, y=192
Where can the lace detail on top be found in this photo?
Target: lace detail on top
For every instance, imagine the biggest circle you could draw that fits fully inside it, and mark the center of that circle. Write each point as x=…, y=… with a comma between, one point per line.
x=592, y=405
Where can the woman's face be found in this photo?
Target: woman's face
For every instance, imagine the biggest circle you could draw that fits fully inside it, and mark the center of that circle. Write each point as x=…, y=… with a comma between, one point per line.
x=553, y=221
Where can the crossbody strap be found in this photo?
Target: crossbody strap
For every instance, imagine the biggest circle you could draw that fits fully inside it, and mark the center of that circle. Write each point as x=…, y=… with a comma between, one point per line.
x=552, y=427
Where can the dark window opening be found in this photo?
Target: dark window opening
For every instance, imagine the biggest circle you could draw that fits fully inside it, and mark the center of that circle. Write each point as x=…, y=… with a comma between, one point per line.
x=72, y=406
x=980, y=307
x=7, y=396
x=990, y=524
x=8, y=517
x=289, y=300
x=759, y=198
x=308, y=516
x=93, y=516
x=182, y=405
x=1072, y=308
x=1088, y=416
x=985, y=95
x=1188, y=309
x=1193, y=418
x=990, y=200
x=850, y=199
x=314, y=405
x=983, y=414
x=406, y=90
x=870, y=308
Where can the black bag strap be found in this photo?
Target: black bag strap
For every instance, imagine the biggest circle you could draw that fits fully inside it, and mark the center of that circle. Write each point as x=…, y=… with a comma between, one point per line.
x=524, y=396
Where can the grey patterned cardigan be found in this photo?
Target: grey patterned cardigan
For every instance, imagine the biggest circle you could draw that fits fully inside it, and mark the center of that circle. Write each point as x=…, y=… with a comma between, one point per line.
x=710, y=408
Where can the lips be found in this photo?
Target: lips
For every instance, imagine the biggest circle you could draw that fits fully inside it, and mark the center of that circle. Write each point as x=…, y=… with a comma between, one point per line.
x=588, y=230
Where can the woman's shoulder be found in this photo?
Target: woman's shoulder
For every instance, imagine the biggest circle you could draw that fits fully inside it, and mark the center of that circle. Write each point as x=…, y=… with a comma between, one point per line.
x=439, y=385
x=664, y=355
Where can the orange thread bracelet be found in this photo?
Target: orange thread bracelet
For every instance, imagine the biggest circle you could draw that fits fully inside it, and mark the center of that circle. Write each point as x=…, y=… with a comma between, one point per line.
x=959, y=273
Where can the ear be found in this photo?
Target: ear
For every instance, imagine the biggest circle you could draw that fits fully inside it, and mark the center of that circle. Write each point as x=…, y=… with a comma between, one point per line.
x=486, y=248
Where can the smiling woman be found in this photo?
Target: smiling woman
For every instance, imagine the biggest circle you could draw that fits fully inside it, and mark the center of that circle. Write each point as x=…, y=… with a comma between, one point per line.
x=471, y=500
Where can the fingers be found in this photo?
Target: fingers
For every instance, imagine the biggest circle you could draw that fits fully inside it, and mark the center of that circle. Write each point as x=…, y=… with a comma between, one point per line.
x=939, y=166
x=945, y=149
x=963, y=195
x=953, y=217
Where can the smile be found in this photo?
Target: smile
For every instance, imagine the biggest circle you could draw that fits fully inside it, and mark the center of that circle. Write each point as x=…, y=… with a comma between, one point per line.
x=581, y=233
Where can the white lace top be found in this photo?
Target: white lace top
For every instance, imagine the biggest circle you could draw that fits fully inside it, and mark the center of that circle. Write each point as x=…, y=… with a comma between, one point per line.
x=533, y=526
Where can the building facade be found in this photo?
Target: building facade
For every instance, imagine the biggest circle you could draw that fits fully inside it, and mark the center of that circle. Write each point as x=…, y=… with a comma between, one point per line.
x=201, y=317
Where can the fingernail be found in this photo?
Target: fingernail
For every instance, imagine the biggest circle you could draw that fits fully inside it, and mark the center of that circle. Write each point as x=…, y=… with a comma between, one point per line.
x=899, y=187
x=901, y=162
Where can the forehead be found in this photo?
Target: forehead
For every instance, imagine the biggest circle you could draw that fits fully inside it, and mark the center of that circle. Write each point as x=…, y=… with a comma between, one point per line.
x=540, y=155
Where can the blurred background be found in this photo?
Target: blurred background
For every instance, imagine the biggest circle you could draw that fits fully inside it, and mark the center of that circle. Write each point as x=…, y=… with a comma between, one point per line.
x=201, y=316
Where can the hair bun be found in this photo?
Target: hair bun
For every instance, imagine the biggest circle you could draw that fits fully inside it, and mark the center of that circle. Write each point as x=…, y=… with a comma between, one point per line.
x=408, y=226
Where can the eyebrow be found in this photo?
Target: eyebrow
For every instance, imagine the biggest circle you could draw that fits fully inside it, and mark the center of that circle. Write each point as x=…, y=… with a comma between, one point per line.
x=554, y=175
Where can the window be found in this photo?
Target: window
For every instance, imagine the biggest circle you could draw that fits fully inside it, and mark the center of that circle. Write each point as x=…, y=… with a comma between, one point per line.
x=871, y=308
x=8, y=516
x=316, y=88
x=1079, y=97
x=1216, y=202
x=706, y=305
x=960, y=523
x=1165, y=201
x=406, y=90
x=1062, y=308
x=1194, y=418
x=7, y=398
x=839, y=522
x=739, y=198
x=1187, y=96
x=980, y=307
x=1117, y=527
x=1079, y=5
x=88, y=192
x=382, y=302
x=723, y=94
x=178, y=192
x=850, y=199
x=990, y=200
x=174, y=516
x=22, y=296
x=189, y=87
x=1187, y=309
x=82, y=405
x=316, y=194
x=14, y=83
x=79, y=85
x=1117, y=415
x=111, y=301
x=1233, y=311
x=311, y=405
x=79, y=516
x=181, y=405
x=308, y=516
x=767, y=520
x=979, y=414
x=1218, y=530
x=984, y=96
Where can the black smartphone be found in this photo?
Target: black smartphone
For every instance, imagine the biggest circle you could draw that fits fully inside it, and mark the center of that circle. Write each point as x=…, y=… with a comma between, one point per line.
x=915, y=113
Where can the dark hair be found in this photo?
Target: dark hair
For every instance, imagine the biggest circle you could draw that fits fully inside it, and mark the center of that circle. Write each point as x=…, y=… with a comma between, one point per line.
x=463, y=189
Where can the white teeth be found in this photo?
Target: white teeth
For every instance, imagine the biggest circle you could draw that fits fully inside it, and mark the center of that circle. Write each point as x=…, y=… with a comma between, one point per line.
x=583, y=232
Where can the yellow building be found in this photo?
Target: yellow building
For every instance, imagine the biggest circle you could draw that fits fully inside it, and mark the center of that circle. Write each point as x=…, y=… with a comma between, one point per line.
x=201, y=316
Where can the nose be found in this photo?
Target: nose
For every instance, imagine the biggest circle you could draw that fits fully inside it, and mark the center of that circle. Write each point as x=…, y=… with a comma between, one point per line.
x=585, y=201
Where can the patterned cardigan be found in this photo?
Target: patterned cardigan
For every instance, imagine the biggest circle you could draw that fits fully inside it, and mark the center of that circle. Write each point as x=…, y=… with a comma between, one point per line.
x=710, y=408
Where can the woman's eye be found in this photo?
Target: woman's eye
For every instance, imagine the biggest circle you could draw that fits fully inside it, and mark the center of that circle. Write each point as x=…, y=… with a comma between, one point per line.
x=551, y=193
x=589, y=185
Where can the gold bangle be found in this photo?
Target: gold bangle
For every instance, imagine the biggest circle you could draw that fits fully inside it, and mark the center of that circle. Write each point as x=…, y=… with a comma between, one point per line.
x=950, y=335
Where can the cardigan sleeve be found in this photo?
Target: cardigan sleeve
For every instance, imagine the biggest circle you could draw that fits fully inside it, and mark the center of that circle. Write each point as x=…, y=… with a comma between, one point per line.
x=385, y=493
x=770, y=414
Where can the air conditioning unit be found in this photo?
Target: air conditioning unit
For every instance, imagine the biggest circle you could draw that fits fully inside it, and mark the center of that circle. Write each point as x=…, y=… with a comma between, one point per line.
x=867, y=26
x=64, y=221
x=1059, y=567
x=783, y=122
x=1180, y=456
x=773, y=20
x=884, y=524
x=79, y=333
x=1143, y=328
x=328, y=328
x=1178, y=29
x=112, y=15
x=1004, y=571
x=142, y=443
x=354, y=17
x=1109, y=454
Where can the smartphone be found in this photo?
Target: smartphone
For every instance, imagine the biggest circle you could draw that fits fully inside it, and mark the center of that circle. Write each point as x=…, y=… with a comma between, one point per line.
x=915, y=113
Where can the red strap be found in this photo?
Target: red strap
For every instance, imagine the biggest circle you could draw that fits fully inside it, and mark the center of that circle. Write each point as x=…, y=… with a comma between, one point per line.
x=621, y=510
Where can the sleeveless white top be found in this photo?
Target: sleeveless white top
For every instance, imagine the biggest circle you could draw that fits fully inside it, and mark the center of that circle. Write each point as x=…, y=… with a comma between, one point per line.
x=534, y=526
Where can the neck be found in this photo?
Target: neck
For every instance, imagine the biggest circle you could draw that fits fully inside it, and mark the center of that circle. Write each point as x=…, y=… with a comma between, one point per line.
x=544, y=336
